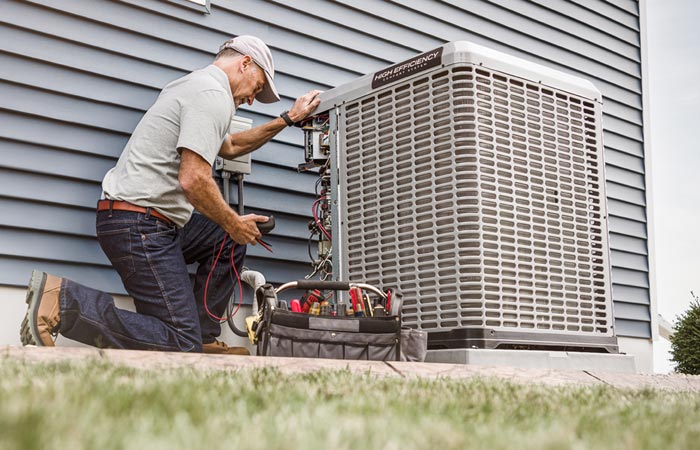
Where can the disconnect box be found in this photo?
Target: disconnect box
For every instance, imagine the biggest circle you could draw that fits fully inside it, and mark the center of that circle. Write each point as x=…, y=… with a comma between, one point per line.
x=241, y=164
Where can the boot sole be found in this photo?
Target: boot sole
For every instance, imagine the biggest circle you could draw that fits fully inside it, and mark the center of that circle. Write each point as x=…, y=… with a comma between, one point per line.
x=29, y=333
x=228, y=353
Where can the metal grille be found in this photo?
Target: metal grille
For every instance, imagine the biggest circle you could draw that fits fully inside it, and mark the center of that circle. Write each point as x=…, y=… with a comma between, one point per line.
x=480, y=196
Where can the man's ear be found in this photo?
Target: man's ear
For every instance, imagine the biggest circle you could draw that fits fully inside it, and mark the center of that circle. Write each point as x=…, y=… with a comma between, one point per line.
x=246, y=61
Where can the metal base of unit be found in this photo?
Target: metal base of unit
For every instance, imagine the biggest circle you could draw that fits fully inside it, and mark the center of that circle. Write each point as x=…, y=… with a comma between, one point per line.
x=532, y=359
x=475, y=338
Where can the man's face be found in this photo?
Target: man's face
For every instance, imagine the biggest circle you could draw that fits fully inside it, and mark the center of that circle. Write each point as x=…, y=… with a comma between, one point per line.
x=252, y=82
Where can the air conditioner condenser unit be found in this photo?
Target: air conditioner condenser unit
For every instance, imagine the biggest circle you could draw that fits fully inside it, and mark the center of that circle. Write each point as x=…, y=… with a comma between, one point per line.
x=473, y=181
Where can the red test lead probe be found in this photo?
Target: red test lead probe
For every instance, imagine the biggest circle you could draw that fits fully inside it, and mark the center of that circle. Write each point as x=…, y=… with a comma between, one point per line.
x=265, y=228
x=265, y=245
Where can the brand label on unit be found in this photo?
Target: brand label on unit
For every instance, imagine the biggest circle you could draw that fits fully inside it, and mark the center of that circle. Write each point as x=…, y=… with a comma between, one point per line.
x=409, y=67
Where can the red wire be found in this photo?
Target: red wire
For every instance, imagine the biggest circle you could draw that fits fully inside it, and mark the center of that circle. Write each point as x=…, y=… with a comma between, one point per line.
x=238, y=280
x=318, y=222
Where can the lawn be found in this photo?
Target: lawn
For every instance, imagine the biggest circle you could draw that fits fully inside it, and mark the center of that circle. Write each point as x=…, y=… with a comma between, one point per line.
x=95, y=405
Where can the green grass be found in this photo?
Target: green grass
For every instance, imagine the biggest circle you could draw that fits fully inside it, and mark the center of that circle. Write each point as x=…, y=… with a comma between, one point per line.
x=95, y=405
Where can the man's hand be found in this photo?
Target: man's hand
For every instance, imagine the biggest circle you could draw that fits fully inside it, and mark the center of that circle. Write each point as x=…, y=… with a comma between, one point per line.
x=244, y=230
x=246, y=141
x=304, y=105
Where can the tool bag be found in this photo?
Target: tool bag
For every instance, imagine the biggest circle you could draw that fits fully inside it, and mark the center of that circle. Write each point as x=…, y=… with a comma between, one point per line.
x=287, y=333
x=284, y=333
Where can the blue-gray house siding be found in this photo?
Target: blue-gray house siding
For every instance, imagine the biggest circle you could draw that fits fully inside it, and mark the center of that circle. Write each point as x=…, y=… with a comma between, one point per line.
x=77, y=75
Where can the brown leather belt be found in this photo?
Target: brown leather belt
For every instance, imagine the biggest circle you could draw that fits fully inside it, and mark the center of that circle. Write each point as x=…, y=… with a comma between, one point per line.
x=118, y=205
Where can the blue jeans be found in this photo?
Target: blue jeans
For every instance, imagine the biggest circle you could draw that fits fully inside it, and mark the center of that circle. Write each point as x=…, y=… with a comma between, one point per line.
x=151, y=258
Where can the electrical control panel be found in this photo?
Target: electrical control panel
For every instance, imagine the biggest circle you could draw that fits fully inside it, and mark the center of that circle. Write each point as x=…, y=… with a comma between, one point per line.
x=241, y=164
x=317, y=156
x=317, y=140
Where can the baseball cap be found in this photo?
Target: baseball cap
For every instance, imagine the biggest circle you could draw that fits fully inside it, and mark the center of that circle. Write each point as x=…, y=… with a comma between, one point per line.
x=260, y=53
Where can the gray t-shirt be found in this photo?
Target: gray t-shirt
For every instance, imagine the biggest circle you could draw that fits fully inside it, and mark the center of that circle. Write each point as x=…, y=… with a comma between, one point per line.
x=192, y=112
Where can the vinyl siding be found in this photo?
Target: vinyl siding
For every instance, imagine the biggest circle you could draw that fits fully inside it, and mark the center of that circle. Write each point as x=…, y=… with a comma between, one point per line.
x=77, y=75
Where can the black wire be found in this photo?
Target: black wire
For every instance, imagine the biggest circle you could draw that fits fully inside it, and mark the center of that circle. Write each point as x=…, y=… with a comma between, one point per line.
x=308, y=247
x=232, y=302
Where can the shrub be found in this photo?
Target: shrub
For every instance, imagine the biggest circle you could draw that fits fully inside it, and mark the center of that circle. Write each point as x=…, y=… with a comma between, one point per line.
x=685, y=341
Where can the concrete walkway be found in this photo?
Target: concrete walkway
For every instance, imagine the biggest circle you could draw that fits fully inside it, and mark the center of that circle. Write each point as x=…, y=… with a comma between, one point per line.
x=151, y=360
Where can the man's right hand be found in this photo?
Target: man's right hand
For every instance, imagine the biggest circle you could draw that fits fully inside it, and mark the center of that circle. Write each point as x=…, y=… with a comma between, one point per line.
x=244, y=230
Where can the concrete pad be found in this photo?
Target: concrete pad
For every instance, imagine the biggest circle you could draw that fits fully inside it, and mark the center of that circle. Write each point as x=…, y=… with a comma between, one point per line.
x=153, y=359
x=49, y=354
x=669, y=382
x=306, y=365
x=535, y=359
x=512, y=374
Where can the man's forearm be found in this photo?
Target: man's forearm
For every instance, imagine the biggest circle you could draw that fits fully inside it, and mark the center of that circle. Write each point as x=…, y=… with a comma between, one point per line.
x=246, y=141
x=204, y=195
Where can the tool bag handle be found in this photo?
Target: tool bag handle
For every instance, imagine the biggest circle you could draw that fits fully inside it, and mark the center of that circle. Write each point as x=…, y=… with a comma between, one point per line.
x=328, y=286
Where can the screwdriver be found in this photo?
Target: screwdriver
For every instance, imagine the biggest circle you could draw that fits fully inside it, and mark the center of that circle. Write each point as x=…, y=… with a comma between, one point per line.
x=356, y=297
x=369, y=305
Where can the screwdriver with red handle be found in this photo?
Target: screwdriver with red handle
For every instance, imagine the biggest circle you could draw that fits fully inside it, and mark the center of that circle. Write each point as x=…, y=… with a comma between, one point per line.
x=356, y=299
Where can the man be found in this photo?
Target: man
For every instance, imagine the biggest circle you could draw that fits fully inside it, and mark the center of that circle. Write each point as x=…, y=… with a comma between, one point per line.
x=145, y=221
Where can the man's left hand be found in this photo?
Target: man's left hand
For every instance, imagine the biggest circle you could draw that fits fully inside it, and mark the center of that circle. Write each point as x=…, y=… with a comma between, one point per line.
x=304, y=105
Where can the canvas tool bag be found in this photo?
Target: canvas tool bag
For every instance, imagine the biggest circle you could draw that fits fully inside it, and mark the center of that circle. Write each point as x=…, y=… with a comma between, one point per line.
x=285, y=333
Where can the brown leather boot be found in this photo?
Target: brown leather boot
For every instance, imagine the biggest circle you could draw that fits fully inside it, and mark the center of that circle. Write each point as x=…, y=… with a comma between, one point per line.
x=40, y=324
x=218, y=347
